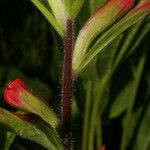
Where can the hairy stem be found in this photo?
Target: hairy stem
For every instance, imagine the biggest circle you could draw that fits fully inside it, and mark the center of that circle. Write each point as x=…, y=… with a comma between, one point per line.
x=67, y=86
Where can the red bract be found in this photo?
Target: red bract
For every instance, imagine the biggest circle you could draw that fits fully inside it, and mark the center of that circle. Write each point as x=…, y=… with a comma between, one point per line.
x=128, y=4
x=143, y=1
x=13, y=91
x=119, y=6
x=122, y=5
x=102, y=19
x=18, y=95
x=143, y=8
x=103, y=147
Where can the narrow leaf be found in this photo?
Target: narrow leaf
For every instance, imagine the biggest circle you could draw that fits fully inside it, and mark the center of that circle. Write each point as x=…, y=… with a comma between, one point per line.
x=96, y=24
x=6, y=139
x=68, y=5
x=75, y=7
x=140, y=131
x=26, y=130
x=94, y=5
x=131, y=100
x=58, y=9
x=126, y=44
x=131, y=18
x=145, y=29
x=121, y=101
x=49, y=16
x=10, y=137
x=106, y=58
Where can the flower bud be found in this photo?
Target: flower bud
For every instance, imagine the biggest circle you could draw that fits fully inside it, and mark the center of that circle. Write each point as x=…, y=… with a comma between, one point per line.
x=97, y=23
x=18, y=95
x=12, y=94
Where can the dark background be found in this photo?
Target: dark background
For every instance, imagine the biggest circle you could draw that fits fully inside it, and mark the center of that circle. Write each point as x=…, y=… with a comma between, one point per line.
x=27, y=52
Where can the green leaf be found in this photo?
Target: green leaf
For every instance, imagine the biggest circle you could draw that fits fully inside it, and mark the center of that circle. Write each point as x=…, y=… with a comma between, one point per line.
x=128, y=40
x=107, y=56
x=100, y=96
x=92, y=67
x=131, y=18
x=120, y=103
x=68, y=5
x=49, y=16
x=95, y=25
x=139, y=125
x=144, y=30
x=87, y=113
x=37, y=106
x=29, y=131
x=102, y=63
x=48, y=130
x=75, y=7
x=142, y=140
x=132, y=98
x=94, y=5
x=39, y=87
x=9, y=140
x=59, y=11
x=134, y=124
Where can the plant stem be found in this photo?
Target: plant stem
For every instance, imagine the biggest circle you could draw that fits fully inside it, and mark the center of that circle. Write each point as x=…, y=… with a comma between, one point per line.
x=87, y=116
x=67, y=86
x=99, y=133
x=96, y=111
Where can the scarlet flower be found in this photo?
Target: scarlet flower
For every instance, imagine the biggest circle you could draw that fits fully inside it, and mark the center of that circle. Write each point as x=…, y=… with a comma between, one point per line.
x=18, y=95
x=13, y=91
x=103, y=147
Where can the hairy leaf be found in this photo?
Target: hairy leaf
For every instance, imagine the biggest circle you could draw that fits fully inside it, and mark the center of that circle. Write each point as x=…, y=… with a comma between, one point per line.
x=49, y=16
x=131, y=18
x=29, y=131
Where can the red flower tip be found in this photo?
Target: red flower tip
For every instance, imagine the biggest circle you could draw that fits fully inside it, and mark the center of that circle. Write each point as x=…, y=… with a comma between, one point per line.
x=122, y=5
x=18, y=95
x=128, y=4
x=116, y=6
x=142, y=7
x=103, y=147
x=12, y=93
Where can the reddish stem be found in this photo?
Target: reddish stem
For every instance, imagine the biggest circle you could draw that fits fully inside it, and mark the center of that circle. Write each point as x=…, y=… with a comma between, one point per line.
x=67, y=85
